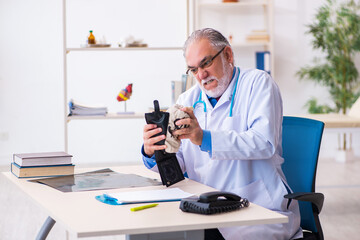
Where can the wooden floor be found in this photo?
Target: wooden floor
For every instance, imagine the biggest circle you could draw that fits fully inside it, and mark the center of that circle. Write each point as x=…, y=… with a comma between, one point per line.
x=340, y=183
x=20, y=218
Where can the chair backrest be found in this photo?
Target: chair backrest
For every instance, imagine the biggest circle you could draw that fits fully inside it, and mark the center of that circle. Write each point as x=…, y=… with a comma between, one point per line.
x=301, y=138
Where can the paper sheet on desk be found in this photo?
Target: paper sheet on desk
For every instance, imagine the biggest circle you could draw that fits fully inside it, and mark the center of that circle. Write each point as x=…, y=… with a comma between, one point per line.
x=162, y=195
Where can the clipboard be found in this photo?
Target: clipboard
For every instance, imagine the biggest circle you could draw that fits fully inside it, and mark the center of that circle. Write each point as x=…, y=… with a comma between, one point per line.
x=146, y=196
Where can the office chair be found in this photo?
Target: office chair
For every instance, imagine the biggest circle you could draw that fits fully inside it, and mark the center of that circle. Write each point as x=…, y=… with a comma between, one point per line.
x=301, y=139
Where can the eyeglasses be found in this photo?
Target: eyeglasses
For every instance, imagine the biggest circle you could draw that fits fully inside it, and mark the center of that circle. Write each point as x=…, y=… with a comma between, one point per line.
x=205, y=63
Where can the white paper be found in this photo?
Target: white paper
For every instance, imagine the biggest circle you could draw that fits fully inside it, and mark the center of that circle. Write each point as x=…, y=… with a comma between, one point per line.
x=163, y=195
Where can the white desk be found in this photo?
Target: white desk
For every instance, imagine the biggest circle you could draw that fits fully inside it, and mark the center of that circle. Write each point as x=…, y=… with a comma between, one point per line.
x=81, y=214
x=344, y=126
x=333, y=120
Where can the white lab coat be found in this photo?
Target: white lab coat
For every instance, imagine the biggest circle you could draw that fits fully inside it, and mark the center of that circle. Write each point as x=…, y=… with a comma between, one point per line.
x=246, y=151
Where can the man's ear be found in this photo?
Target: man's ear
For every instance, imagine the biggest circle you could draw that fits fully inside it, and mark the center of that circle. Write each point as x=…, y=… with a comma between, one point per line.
x=229, y=54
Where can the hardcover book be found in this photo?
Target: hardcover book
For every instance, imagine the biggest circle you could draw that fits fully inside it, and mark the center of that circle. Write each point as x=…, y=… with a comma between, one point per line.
x=263, y=61
x=42, y=159
x=42, y=171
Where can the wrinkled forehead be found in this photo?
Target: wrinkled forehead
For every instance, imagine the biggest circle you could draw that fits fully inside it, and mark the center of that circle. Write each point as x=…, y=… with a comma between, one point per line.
x=197, y=51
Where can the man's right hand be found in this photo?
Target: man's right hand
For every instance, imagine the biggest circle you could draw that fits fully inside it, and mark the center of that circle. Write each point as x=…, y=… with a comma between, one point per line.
x=149, y=141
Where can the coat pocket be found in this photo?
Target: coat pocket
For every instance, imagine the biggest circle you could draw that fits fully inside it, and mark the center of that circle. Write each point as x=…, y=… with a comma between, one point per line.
x=257, y=193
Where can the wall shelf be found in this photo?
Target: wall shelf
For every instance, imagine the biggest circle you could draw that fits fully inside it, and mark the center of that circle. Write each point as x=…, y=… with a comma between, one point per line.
x=107, y=116
x=232, y=5
x=250, y=44
x=243, y=19
x=80, y=49
x=159, y=46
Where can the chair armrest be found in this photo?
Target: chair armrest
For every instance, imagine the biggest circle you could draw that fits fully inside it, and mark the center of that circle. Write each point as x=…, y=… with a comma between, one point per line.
x=317, y=199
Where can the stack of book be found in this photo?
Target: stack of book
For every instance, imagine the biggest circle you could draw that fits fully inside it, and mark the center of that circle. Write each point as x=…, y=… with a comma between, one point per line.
x=77, y=108
x=258, y=36
x=43, y=164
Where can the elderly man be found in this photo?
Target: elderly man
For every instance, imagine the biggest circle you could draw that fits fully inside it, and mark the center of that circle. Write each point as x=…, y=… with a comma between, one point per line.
x=233, y=142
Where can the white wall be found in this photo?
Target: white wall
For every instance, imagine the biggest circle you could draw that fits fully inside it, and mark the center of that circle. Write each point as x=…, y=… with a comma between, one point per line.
x=31, y=86
x=31, y=72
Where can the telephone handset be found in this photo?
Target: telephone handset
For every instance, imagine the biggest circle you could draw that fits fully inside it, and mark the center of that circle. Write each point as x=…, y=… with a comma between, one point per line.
x=213, y=202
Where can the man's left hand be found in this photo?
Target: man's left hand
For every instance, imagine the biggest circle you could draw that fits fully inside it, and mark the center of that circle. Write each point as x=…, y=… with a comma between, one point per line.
x=193, y=131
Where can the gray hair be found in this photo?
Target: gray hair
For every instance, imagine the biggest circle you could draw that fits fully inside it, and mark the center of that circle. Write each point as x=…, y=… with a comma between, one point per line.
x=216, y=39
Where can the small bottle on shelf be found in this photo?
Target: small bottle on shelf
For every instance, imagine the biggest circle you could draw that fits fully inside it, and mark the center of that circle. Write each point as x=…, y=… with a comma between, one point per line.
x=91, y=38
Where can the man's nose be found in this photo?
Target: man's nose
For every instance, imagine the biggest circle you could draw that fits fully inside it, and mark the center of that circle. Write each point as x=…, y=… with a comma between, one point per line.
x=202, y=73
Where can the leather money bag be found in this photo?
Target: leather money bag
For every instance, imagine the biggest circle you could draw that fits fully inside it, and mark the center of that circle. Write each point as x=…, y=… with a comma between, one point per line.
x=168, y=165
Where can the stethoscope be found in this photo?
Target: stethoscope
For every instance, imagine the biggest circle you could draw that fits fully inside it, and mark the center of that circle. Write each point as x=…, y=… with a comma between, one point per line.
x=231, y=103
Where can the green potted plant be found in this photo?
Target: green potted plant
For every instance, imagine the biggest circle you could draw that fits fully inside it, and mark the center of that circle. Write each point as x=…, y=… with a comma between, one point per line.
x=336, y=33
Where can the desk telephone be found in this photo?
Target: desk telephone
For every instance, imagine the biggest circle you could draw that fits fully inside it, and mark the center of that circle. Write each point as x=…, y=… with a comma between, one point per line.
x=213, y=202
